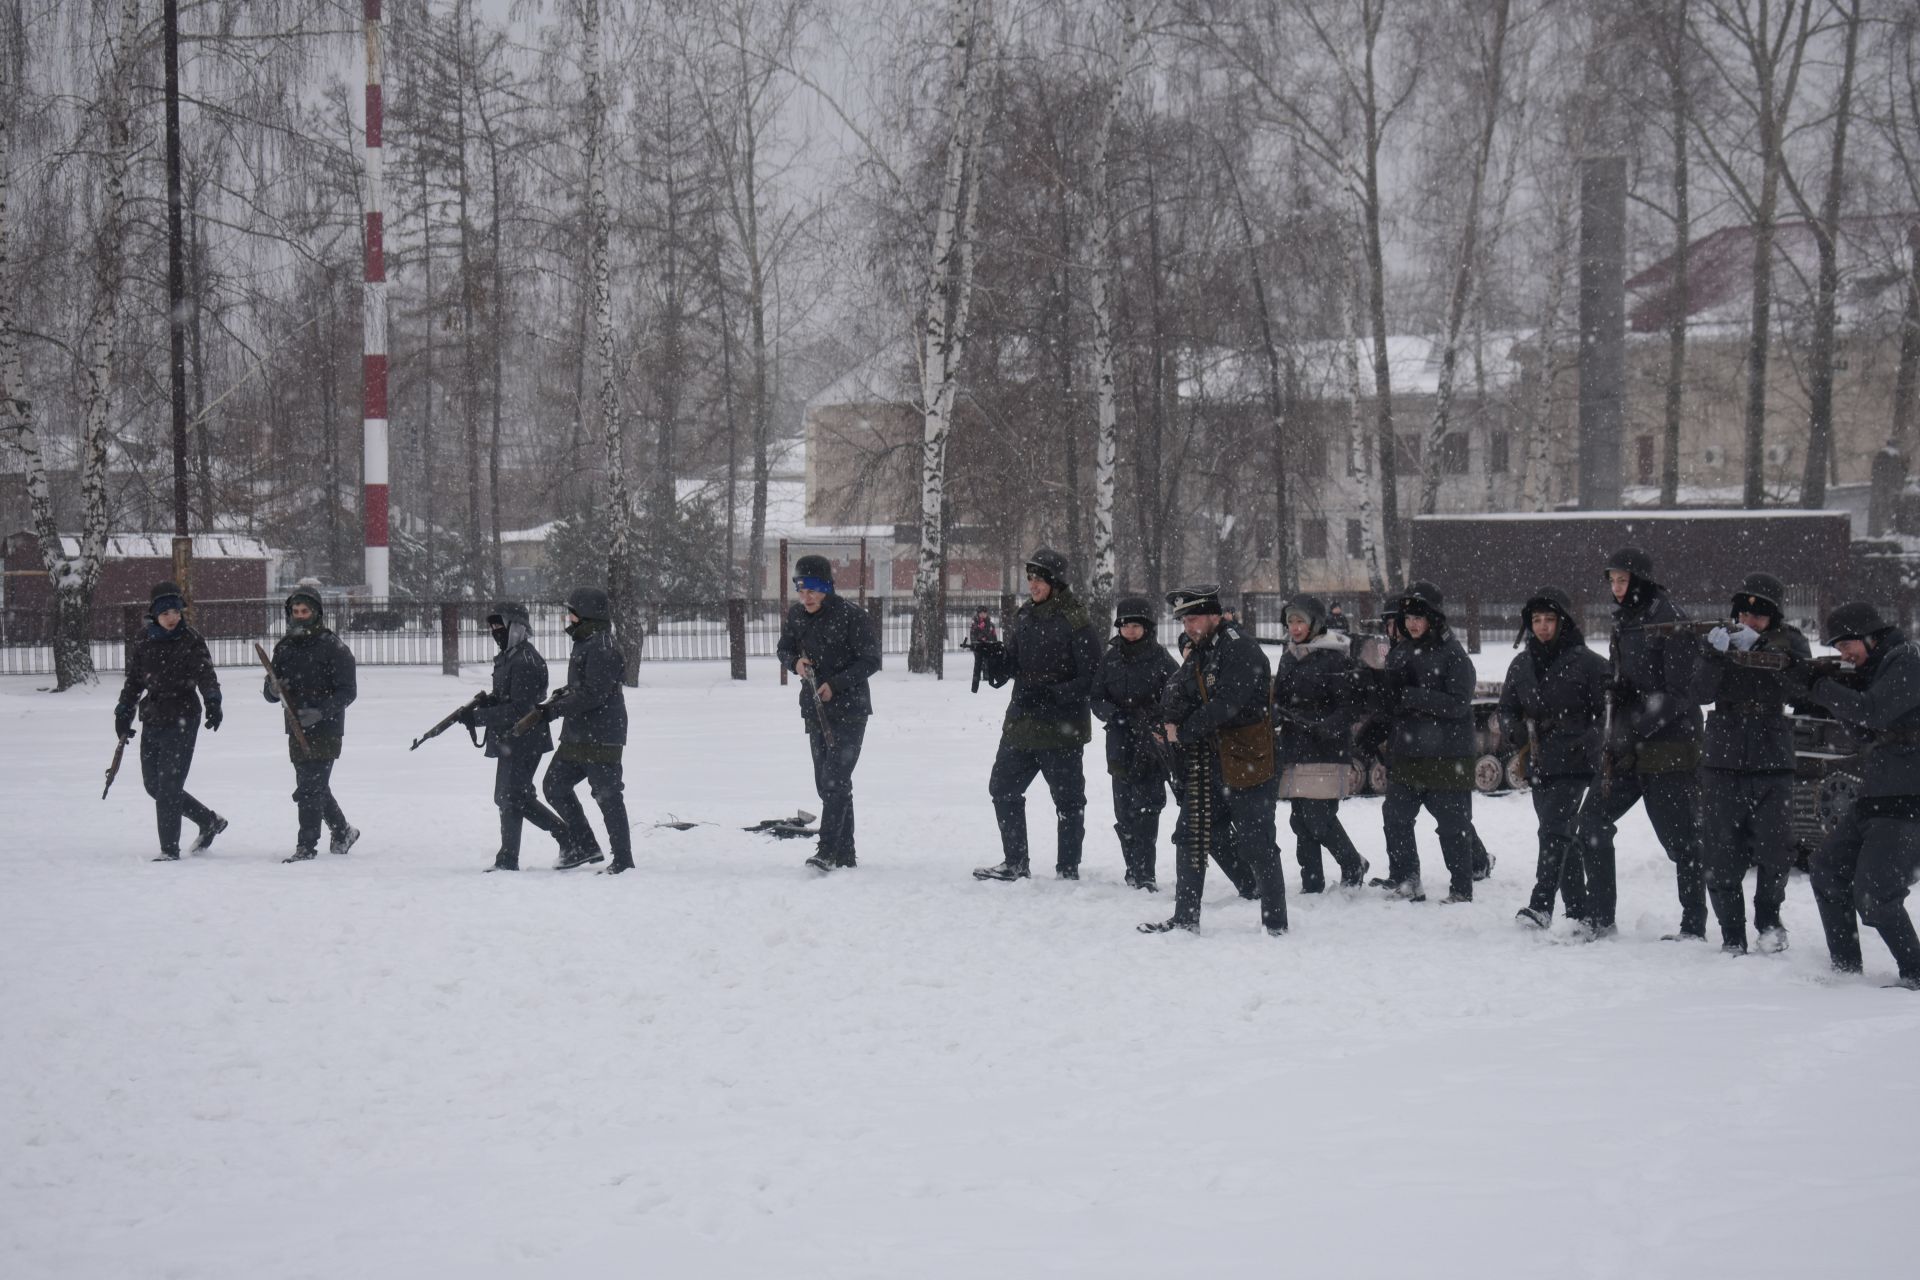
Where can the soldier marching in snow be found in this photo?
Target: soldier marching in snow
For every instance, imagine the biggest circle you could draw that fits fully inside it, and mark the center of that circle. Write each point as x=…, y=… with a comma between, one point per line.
x=1867, y=864
x=1126, y=698
x=1746, y=776
x=1216, y=717
x=316, y=669
x=1428, y=683
x=829, y=643
x=1654, y=750
x=169, y=675
x=1554, y=700
x=519, y=684
x=1315, y=698
x=594, y=706
x=1050, y=654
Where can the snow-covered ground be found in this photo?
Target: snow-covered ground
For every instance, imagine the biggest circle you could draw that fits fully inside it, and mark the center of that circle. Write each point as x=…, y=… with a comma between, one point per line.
x=393, y=1065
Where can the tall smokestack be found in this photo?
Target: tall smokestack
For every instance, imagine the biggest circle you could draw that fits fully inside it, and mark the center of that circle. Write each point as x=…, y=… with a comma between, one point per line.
x=374, y=328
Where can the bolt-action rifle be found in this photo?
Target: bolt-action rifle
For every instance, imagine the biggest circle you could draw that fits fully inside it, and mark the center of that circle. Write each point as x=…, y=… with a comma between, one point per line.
x=454, y=717
x=539, y=713
x=113, y=766
x=811, y=679
x=286, y=703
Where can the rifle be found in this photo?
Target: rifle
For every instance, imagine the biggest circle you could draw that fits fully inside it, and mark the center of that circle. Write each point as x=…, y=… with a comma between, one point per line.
x=286, y=703
x=113, y=766
x=1688, y=628
x=453, y=718
x=539, y=713
x=1606, y=716
x=811, y=680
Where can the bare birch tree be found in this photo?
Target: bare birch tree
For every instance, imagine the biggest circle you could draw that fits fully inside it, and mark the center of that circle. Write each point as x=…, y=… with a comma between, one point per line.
x=948, y=303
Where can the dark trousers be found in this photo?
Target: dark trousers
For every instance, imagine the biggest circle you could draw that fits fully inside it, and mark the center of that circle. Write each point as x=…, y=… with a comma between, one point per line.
x=518, y=802
x=1316, y=827
x=1137, y=805
x=1014, y=770
x=1863, y=872
x=833, y=782
x=1673, y=801
x=1556, y=806
x=166, y=753
x=1746, y=821
x=1452, y=811
x=1237, y=823
x=313, y=796
x=604, y=781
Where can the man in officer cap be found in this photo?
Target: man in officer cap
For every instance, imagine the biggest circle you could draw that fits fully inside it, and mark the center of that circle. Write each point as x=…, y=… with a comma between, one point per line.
x=1746, y=775
x=1654, y=749
x=1864, y=869
x=1216, y=719
x=1050, y=654
x=594, y=706
x=829, y=643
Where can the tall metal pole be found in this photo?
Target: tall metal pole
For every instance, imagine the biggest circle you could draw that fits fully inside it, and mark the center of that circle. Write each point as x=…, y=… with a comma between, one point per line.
x=177, y=312
x=374, y=324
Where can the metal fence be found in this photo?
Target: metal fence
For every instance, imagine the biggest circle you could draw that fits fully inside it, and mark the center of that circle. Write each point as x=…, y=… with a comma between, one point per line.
x=393, y=633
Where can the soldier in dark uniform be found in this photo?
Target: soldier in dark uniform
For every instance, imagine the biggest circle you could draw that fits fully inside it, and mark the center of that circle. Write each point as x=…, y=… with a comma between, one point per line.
x=594, y=706
x=1655, y=748
x=1126, y=699
x=1050, y=655
x=1215, y=717
x=1553, y=700
x=829, y=643
x=1315, y=698
x=1428, y=683
x=317, y=670
x=1864, y=870
x=1746, y=776
x=169, y=674
x=519, y=685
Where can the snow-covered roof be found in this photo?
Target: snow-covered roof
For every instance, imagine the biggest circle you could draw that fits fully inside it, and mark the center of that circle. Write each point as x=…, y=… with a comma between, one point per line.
x=886, y=377
x=538, y=533
x=1413, y=363
x=1640, y=513
x=159, y=546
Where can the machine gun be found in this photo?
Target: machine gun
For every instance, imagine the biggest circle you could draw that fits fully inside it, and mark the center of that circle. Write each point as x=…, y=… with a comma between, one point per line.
x=811, y=679
x=539, y=713
x=454, y=717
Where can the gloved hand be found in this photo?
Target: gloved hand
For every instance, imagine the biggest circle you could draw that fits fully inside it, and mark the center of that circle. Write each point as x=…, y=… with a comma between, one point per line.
x=123, y=722
x=486, y=700
x=1744, y=638
x=1719, y=638
x=310, y=717
x=468, y=716
x=214, y=715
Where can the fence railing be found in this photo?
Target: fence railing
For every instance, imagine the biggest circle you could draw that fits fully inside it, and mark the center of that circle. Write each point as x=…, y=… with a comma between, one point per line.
x=392, y=633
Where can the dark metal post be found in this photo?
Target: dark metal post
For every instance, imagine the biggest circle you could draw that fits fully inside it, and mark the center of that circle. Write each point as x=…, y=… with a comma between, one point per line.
x=737, y=638
x=1473, y=624
x=177, y=310
x=449, y=639
x=782, y=619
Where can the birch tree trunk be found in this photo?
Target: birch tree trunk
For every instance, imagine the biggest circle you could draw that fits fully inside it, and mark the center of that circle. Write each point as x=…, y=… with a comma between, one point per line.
x=1463, y=267
x=949, y=298
x=1536, y=482
x=628, y=625
x=1359, y=455
x=1100, y=586
x=73, y=578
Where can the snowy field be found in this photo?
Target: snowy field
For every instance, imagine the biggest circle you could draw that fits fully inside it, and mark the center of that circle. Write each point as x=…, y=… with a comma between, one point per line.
x=723, y=1065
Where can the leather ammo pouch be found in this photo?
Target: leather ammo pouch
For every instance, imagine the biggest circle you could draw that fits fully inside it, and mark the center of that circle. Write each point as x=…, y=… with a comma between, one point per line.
x=1246, y=753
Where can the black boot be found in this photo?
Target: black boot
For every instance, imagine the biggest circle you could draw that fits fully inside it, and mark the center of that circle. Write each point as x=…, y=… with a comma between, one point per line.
x=1842, y=928
x=570, y=858
x=1071, y=828
x=1002, y=871
x=504, y=861
x=207, y=833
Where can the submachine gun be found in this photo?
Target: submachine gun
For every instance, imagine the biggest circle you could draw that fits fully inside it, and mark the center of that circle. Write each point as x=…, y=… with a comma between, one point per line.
x=539, y=713
x=456, y=716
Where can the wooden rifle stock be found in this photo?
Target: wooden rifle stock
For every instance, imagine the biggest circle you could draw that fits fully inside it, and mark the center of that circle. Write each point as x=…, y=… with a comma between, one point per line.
x=286, y=703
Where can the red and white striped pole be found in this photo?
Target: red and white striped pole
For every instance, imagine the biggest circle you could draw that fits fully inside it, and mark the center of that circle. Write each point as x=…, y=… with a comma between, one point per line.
x=374, y=323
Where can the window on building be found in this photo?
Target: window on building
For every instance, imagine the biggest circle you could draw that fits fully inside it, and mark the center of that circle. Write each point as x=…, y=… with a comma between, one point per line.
x=1497, y=445
x=1355, y=535
x=1643, y=459
x=1313, y=539
x=1310, y=459
x=1406, y=453
x=1453, y=453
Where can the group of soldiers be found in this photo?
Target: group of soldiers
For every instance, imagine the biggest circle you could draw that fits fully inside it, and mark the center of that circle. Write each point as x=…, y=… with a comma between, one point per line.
x=1229, y=736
